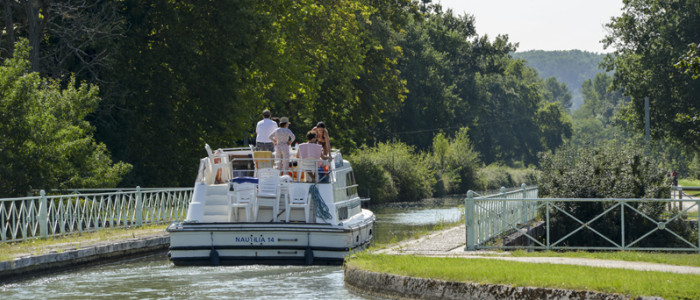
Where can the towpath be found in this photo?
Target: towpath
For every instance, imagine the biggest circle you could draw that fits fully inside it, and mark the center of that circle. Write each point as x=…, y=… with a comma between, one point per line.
x=22, y=259
x=451, y=243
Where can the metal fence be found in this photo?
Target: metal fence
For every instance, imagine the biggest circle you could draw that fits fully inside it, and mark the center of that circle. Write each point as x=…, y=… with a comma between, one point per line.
x=53, y=215
x=489, y=218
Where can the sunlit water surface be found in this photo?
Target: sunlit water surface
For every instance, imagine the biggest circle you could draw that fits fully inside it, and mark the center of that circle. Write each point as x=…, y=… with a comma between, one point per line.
x=154, y=277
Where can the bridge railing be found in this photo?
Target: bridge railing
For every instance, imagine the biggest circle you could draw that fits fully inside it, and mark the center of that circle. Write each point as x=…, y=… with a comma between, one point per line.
x=489, y=218
x=53, y=215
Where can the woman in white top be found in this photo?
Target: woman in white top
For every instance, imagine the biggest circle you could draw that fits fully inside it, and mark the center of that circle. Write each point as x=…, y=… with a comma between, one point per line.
x=282, y=137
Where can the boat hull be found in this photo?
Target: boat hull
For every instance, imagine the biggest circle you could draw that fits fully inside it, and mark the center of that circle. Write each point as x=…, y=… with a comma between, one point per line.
x=268, y=243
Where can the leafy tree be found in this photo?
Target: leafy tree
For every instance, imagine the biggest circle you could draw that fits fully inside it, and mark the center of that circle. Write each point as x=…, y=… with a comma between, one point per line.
x=558, y=92
x=46, y=142
x=68, y=38
x=595, y=121
x=430, y=102
x=454, y=162
x=336, y=67
x=571, y=67
x=515, y=123
x=179, y=87
x=612, y=170
x=690, y=62
x=650, y=37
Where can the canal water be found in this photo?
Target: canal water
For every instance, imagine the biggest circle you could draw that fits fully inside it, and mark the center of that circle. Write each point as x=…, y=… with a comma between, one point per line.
x=154, y=277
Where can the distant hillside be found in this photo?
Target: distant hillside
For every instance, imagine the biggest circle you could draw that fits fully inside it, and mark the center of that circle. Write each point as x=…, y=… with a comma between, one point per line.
x=572, y=67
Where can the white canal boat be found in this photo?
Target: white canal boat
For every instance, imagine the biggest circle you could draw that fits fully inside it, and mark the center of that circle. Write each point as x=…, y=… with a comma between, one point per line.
x=243, y=212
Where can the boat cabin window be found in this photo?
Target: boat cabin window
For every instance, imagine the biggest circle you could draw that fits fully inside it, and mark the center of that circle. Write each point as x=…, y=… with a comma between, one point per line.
x=242, y=165
x=351, y=184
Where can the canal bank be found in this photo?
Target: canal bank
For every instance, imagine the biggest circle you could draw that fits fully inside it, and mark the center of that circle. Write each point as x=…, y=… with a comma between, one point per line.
x=74, y=253
x=450, y=243
x=382, y=285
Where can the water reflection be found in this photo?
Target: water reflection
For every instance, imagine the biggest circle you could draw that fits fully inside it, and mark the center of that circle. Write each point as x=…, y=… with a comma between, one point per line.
x=397, y=222
x=154, y=276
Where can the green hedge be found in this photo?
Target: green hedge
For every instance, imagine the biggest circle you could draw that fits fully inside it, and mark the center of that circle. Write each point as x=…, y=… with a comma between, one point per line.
x=392, y=172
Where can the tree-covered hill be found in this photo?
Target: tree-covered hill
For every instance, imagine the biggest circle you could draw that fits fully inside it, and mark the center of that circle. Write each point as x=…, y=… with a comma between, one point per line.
x=572, y=67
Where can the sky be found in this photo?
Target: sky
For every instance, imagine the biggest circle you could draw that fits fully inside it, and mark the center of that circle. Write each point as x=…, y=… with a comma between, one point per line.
x=542, y=24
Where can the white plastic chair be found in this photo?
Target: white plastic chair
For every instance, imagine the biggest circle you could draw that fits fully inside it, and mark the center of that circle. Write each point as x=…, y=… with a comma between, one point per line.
x=299, y=198
x=268, y=192
x=309, y=167
x=242, y=196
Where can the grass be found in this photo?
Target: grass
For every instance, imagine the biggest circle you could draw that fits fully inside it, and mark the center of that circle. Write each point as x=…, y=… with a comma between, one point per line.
x=10, y=251
x=677, y=259
x=690, y=182
x=632, y=283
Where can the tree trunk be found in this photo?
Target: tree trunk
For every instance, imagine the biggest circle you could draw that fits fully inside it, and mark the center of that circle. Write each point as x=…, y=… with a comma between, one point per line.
x=31, y=8
x=9, y=27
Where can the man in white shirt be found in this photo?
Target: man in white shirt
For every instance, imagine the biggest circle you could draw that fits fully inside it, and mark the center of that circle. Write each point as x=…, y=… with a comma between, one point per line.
x=263, y=131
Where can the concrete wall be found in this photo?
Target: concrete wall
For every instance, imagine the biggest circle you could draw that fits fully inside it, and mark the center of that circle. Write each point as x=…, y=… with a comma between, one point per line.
x=402, y=287
x=30, y=265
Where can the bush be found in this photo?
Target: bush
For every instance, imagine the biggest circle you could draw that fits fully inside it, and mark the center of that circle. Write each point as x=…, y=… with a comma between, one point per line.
x=373, y=178
x=454, y=162
x=495, y=176
x=608, y=171
x=392, y=172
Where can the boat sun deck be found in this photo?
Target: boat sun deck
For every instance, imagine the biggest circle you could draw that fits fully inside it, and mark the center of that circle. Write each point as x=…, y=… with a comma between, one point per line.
x=244, y=185
x=247, y=208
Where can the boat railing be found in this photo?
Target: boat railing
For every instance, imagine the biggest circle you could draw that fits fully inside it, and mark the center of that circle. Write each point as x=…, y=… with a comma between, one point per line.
x=299, y=169
x=224, y=164
x=350, y=190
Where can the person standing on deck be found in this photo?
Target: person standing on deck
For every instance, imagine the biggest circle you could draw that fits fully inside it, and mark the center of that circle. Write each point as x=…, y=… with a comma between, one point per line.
x=263, y=130
x=282, y=137
x=322, y=138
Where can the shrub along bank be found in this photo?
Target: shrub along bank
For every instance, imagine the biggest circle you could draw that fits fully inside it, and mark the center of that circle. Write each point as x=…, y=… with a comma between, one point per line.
x=391, y=172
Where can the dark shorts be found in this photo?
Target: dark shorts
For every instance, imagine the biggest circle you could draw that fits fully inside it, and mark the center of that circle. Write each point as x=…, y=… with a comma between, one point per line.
x=265, y=147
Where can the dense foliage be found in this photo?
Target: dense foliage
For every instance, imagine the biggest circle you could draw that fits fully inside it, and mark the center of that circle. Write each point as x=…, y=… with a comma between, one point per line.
x=397, y=172
x=650, y=38
x=494, y=176
x=596, y=120
x=393, y=172
x=45, y=141
x=174, y=75
x=454, y=162
x=608, y=171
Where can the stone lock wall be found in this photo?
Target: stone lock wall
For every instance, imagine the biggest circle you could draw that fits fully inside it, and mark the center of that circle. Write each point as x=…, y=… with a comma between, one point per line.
x=402, y=287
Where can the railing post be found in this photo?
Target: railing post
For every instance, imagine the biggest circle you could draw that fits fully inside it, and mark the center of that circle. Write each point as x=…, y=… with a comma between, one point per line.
x=469, y=221
x=622, y=223
x=43, y=215
x=547, y=220
x=139, y=208
x=502, y=213
x=525, y=208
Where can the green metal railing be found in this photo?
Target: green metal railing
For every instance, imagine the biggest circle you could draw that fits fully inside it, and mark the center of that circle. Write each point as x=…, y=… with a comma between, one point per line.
x=491, y=217
x=53, y=215
x=487, y=217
